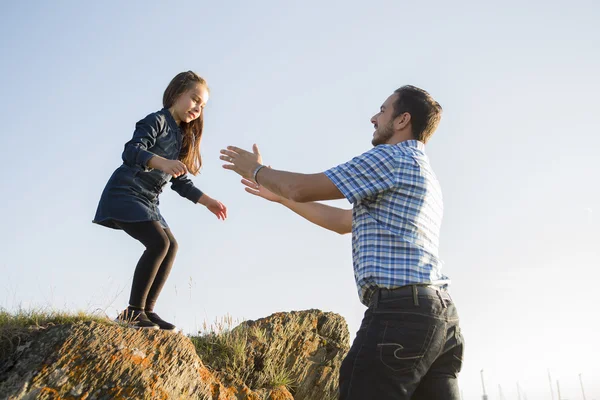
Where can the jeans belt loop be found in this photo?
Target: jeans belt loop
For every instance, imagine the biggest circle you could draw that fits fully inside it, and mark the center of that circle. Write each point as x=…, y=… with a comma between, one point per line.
x=376, y=300
x=415, y=295
x=444, y=305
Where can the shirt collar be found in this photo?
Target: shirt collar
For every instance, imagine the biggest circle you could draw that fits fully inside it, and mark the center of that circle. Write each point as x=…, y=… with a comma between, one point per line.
x=170, y=119
x=412, y=143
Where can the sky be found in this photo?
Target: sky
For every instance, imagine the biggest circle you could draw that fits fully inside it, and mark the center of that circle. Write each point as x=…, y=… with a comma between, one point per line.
x=515, y=153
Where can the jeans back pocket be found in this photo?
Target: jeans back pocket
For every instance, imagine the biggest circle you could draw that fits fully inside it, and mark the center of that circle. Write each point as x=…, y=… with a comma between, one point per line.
x=404, y=344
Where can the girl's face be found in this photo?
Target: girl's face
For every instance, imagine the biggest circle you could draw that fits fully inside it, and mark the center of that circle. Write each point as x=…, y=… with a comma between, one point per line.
x=189, y=105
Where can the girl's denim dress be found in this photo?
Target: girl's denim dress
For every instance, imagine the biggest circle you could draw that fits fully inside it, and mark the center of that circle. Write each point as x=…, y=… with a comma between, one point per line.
x=131, y=194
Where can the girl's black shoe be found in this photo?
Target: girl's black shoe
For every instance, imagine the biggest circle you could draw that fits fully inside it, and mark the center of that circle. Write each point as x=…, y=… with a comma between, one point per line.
x=136, y=319
x=164, y=325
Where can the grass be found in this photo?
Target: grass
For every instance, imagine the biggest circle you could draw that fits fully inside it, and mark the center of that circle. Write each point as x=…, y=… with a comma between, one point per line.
x=16, y=327
x=225, y=348
x=222, y=346
x=259, y=333
x=42, y=317
x=279, y=376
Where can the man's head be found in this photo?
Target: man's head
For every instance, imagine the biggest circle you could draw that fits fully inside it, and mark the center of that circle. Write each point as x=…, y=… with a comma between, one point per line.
x=409, y=113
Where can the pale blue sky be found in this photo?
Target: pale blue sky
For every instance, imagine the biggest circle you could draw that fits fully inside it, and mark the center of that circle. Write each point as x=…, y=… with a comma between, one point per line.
x=516, y=154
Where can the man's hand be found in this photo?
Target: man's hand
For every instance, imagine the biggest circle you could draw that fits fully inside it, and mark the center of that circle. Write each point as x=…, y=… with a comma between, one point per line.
x=260, y=191
x=300, y=188
x=241, y=161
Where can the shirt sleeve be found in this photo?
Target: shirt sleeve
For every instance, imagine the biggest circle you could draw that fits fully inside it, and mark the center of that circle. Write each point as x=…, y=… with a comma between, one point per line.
x=366, y=175
x=185, y=187
x=136, y=152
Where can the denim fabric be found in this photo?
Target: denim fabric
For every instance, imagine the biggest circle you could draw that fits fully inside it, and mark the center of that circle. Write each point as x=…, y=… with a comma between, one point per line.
x=405, y=349
x=131, y=194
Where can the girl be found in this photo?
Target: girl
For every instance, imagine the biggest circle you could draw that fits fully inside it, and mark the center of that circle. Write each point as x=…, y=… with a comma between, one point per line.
x=165, y=146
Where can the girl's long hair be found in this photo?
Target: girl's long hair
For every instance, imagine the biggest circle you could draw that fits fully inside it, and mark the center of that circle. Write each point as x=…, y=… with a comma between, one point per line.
x=192, y=132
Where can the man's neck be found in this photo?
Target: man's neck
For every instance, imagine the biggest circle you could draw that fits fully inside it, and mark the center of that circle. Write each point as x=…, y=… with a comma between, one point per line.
x=401, y=137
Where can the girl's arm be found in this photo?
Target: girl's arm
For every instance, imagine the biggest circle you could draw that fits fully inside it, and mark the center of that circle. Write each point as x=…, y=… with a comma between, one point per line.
x=136, y=151
x=185, y=187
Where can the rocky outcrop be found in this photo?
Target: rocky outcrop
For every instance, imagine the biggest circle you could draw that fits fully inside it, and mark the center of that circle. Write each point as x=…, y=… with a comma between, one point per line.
x=310, y=346
x=293, y=356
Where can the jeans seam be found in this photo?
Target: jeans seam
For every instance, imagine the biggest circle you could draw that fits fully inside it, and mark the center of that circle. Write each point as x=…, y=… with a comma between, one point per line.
x=356, y=358
x=430, y=315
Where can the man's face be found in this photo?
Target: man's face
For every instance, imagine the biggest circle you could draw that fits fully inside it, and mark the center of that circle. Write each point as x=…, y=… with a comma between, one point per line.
x=383, y=122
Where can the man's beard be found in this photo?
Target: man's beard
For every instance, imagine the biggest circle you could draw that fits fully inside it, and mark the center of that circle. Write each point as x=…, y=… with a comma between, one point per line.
x=383, y=134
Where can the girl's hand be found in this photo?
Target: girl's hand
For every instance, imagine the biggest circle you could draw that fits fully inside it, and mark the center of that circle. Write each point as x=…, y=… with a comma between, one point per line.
x=174, y=168
x=260, y=191
x=214, y=206
x=218, y=208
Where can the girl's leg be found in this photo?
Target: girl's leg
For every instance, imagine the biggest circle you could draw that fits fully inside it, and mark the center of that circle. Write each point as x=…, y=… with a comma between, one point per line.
x=152, y=235
x=163, y=272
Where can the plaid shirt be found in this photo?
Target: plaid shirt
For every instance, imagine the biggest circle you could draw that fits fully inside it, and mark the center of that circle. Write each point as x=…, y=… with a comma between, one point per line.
x=396, y=217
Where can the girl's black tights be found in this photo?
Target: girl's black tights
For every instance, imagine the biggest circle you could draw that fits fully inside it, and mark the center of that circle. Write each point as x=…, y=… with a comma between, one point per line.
x=155, y=264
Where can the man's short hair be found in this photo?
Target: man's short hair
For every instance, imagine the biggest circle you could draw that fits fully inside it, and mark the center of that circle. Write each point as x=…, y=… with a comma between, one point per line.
x=425, y=112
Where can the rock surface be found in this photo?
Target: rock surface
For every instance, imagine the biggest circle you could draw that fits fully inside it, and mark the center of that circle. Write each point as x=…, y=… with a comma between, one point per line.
x=286, y=356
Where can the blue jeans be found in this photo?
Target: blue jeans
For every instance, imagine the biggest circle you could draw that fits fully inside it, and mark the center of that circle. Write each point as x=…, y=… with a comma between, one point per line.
x=409, y=346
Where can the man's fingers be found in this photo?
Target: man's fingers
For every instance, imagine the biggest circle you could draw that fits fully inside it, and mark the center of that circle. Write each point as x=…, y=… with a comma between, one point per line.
x=252, y=191
x=256, y=152
x=249, y=183
x=229, y=166
x=229, y=153
x=236, y=149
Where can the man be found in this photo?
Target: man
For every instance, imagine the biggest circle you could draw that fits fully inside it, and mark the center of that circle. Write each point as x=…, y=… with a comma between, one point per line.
x=409, y=344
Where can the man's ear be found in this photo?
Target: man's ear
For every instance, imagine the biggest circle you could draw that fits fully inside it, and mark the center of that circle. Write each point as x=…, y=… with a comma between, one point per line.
x=401, y=121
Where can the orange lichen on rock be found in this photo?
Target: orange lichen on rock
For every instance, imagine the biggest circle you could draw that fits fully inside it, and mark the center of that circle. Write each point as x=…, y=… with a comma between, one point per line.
x=285, y=356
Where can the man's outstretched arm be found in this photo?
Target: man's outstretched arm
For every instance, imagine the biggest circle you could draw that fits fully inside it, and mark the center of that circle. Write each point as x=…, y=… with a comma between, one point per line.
x=301, y=188
x=332, y=218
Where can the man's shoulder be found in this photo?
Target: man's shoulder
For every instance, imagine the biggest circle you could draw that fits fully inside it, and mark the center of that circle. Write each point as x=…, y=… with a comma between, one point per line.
x=400, y=156
x=382, y=152
x=395, y=150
